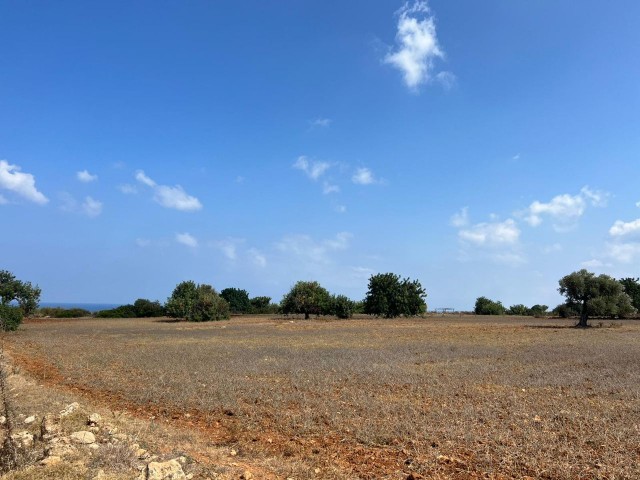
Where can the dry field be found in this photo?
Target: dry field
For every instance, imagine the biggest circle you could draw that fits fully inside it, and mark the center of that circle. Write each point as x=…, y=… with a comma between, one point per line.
x=441, y=397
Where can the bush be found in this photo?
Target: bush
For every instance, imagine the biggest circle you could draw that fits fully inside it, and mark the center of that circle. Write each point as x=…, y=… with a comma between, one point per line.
x=146, y=308
x=10, y=318
x=342, y=306
x=519, y=309
x=484, y=306
x=538, y=310
x=196, y=303
x=262, y=305
x=237, y=299
x=388, y=296
x=123, y=311
x=59, y=312
x=565, y=310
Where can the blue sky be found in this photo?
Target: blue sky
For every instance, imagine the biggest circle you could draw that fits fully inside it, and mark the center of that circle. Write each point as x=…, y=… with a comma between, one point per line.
x=484, y=148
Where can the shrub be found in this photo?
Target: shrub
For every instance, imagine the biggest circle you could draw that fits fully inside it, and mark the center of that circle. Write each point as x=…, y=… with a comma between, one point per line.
x=146, y=308
x=342, y=306
x=389, y=296
x=485, y=306
x=123, y=311
x=10, y=317
x=519, y=309
x=237, y=299
x=59, y=312
x=261, y=305
x=196, y=303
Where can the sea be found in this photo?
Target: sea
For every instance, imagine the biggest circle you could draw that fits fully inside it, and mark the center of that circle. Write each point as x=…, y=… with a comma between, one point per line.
x=92, y=307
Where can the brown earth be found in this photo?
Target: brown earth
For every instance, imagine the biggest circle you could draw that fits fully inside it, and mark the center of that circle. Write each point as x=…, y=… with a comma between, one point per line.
x=442, y=397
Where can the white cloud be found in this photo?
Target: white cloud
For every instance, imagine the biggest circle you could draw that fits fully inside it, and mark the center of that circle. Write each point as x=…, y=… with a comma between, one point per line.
x=624, y=252
x=417, y=44
x=257, y=257
x=516, y=157
x=311, y=168
x=305, y=247
x=86, y=177
x=176, y=197
x=142, y=178
x=187, y=239
x=128, y=189
x=492, y=234
x=621, y=228
x=170, y=197
x=229, y=247
x=328, y=188
x=90, y=207
x=23, y=184
x=461, y=218
x=3, y=201
x=362, y=272
x=638, y=204
x=143, y=242
x=363, y=176
x=321, y=122
x=565, y=209
x=593, y=263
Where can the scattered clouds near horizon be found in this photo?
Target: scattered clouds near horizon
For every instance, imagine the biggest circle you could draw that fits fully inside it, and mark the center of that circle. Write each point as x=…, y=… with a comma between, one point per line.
x=310, y=250
x=491, y=233
x=86, y=177
x=565, y=210
x=20, y=183
x=417, y=47
x=169, y=197
x=187, y=239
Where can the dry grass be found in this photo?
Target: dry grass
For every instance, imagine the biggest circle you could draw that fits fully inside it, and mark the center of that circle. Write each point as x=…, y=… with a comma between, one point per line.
x=446, y=397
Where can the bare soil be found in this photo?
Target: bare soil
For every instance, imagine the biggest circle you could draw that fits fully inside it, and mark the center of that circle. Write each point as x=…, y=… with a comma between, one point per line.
x=440, y=397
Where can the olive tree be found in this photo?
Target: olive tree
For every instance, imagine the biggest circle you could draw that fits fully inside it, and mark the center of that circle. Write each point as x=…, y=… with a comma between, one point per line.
x=599, y=295
x=237, y=299
x=390, y=296
x=23, y=293
x=486, y=306
x=632, y=288
x=306, y=297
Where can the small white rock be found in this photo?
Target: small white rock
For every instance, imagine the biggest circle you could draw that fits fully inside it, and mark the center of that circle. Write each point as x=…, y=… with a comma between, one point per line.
x=29, y=420
x=83, y=438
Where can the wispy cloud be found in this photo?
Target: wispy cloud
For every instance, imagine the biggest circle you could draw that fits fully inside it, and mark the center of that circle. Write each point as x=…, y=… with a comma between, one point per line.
x=328, y=188
x=564, y=209
x=143, y=242
x=491, y=233
x=187, y=239
x=229, y=247
x=170, y=197
x=363, y=176
x=91, y=207
x=127, y=189
x=416, y=45
x=86, y=177
x=313, y=169
x=20, y=183
x=321, y=122
x=257, y=257
x=461, y=218
x=620, y=228
x=306, y=248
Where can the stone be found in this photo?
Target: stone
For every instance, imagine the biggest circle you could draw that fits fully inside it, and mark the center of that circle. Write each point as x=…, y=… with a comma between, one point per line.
x=170, y=470
x=24, y=439
x=94, y=419
x=49, y=427
x=69, y=409
x=29, y=420
x=247, y=475
x=51, y=460
x=83, y=437
x=3, y=420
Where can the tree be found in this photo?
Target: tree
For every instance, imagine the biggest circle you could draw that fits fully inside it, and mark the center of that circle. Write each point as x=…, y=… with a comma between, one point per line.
x=389, y=296
x=485, y=306
x=342, y=306
x=598, y=295
x=632, y=288
x=538, y=310
x=518, y=309
x=260, y=305
x=237, y=299
x=308, y=298
x=26, y=295
x=196, y=303
x=146, y=308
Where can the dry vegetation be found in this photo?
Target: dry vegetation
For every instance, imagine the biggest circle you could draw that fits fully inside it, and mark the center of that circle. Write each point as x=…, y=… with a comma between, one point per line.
x=443, y=397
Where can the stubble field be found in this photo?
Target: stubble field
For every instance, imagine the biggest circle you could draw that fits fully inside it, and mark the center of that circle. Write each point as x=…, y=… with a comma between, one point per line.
x=442, y=397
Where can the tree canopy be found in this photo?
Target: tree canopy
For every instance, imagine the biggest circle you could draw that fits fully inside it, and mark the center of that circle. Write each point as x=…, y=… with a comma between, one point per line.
x=594, y=295
x=632, y=288
x=26, y=295
x=309, y=298
x=390, y=296
x=196, y=303
x=486, y=306
x=237, y=299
